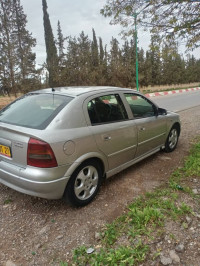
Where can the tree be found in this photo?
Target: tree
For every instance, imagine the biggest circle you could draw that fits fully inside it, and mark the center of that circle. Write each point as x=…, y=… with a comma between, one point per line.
x=78, y=63
x=115, y=69
x=61, y=55
x=128, y=63
x=155, y=55
x=8, y=45
x=60, y=41
x=173, y=66
x=17, y=61
x=25, y=43
x=102, y=69
x=95, y=53
x=171, y=18
x=148, y=69
x=192, y=68
x=52, y=57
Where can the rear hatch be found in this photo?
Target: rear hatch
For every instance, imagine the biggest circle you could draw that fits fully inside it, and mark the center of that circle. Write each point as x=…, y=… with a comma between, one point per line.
x=24, y=119
x=13, y=145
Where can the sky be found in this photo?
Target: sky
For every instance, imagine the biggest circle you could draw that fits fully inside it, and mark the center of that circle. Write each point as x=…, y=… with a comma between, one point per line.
x=75, y=16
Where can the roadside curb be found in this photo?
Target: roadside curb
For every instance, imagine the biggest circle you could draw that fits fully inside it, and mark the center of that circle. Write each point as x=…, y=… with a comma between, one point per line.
x=162, y=93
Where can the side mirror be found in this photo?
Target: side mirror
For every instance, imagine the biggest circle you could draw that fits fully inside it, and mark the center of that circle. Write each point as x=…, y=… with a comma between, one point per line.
x=162, y=111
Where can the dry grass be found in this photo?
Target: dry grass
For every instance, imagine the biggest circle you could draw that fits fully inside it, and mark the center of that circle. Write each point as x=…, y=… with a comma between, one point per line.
x=168, y=87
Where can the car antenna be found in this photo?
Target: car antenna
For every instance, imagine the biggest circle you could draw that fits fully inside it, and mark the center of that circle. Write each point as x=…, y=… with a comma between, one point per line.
x=53, y=90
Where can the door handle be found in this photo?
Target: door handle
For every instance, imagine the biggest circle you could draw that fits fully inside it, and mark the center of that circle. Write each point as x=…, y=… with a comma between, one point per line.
x=106, y=138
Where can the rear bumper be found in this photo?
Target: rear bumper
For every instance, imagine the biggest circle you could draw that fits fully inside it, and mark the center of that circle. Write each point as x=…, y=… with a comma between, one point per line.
x=44, y=183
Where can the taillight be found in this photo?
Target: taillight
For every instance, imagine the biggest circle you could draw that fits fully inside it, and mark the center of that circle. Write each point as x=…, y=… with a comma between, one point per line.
x=40, y=154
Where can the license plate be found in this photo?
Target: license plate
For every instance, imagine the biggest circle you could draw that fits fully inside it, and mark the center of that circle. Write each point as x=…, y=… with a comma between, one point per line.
x=4, y=150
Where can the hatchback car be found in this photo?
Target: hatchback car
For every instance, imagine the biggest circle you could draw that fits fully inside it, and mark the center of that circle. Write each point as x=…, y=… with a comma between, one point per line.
x=61, y=142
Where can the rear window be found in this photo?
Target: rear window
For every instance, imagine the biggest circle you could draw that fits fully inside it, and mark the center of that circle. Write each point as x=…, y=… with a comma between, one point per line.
x=34, y=110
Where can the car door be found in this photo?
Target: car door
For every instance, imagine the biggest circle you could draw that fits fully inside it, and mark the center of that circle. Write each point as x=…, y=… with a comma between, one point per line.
x=114, y=134
x=151, y=127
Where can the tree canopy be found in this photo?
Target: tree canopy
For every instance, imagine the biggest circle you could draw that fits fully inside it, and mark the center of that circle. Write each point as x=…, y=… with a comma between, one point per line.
x=17, y=61
x=170, y=18
x=83, y=61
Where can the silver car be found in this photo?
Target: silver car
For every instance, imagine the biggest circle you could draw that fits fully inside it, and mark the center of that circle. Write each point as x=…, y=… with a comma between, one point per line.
x=62, y=142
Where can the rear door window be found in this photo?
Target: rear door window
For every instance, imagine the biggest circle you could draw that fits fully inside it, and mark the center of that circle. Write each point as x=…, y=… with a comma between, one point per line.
x=106, y=109
x=34, y=110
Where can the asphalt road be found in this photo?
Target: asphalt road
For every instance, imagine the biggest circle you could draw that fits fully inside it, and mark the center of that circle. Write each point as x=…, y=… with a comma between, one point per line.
x=178, y=102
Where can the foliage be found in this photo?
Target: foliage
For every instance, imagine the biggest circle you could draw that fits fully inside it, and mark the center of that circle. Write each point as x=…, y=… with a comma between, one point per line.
x=171, y=19
x=81, y=61
x=17, y=61
x=87, y=62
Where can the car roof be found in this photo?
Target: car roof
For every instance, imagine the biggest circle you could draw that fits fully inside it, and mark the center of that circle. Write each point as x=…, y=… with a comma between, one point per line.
x=78, y=90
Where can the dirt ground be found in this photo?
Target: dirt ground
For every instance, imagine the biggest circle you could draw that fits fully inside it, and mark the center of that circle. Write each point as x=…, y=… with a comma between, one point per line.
x=36, y=231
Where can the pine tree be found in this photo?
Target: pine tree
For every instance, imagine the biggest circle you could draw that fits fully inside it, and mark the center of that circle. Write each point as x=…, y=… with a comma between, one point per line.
x=52, y=57
x=8, y=45
x=141, y=63
x=17, y=60
x=148, y=69
x=78, y=62
x=172, y=65
x=191, y=70
x=155, y=57
x=132, y=63
x=84, y=55
x=70, y=72
x=116, y=72
x=25, y=44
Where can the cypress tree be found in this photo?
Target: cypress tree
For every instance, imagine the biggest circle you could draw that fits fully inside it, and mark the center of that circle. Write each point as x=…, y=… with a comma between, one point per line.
x=95, y=54
x=60, y=41
x=101, y=51
x=51, y=51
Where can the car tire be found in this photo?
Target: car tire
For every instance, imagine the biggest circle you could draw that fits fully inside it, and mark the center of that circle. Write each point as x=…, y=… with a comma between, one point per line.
x=84, y=184
x=172, y=140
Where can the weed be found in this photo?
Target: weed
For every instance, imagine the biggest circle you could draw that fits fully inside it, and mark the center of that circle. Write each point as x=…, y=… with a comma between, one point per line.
x=7, y=201
x=192, y=164
x=155, y=255
x=63, y=263
x=111, y=234
x=172, y=236
x=142, y=217
x=120, y=256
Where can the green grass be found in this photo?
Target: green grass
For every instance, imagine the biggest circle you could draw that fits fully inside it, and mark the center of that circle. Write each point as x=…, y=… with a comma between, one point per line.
x=127, y=239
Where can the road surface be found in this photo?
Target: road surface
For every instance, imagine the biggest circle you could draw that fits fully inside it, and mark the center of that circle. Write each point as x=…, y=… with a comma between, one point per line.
x=178, y=102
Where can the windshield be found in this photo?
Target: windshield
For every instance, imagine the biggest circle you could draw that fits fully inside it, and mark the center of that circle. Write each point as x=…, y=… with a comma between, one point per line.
x=34, y=110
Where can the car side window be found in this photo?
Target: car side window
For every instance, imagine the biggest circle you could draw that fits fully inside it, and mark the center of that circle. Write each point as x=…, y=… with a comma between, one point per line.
x=106, y=109
x=140, y=106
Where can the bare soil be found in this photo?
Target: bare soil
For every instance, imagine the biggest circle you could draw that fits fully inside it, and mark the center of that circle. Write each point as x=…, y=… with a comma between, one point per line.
x=36, y=231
